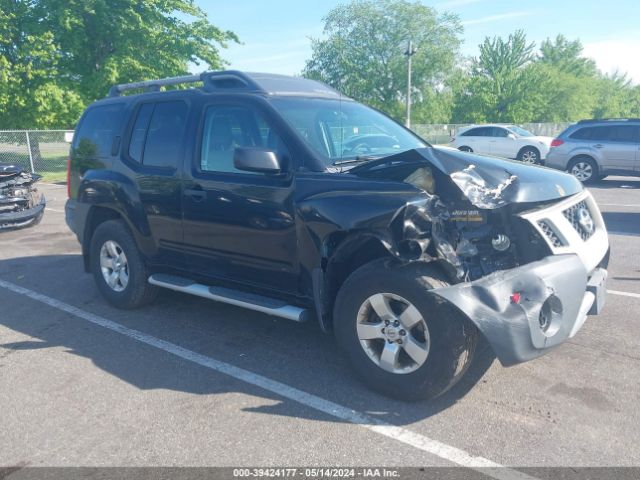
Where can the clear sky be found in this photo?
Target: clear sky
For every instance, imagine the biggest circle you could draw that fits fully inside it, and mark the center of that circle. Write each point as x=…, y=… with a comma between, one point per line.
x=275, y=33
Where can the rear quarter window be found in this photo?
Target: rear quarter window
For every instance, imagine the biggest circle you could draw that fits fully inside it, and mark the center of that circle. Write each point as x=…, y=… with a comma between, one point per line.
x=582, y=134
x=94, y=136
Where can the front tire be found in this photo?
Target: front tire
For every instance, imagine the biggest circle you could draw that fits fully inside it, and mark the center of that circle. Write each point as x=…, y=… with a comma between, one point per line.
x=529, y=155
x=118, y=267
x=465, y=149
x=402, y=341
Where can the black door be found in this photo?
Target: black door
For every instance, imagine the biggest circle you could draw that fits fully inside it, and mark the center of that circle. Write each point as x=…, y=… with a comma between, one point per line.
x=156, y=151
x=239, y=225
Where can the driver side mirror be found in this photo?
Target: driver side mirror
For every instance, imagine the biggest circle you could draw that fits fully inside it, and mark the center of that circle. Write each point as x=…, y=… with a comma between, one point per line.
x=256, y=159
x=512, y=136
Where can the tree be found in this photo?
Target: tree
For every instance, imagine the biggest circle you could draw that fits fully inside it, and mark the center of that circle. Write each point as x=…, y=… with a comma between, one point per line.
x=614, y=97
x=363, y=52
x=58, y=55
x=566, y=56
x=29, y=94
x=502, y=84
x=562, y=96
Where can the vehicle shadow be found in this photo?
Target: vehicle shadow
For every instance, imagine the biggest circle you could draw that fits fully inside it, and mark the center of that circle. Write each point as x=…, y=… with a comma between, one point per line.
x=631, y=183
x=622, y=223
x=298, y=355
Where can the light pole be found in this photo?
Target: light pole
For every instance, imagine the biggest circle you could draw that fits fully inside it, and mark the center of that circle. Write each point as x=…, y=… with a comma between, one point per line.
x=411, y=51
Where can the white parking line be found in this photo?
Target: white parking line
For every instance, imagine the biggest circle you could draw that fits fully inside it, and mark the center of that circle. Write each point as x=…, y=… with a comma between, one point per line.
x=618, y=205
x=622, y=234
x=416, y=440
x=624, y=294
x=54, y=210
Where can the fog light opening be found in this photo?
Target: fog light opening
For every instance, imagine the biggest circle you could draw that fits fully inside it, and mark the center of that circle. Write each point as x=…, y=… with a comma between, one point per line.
x=550, y=315
x=501, y=242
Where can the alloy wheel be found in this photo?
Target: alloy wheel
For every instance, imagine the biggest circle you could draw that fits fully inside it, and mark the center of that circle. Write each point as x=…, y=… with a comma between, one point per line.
x=114, y=266
x=393, y=333
x=583, y=171
x=529, y=156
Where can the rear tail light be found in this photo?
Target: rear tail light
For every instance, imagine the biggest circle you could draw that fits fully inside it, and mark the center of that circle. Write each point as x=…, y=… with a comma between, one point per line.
x=69, y=178
x=556, y=142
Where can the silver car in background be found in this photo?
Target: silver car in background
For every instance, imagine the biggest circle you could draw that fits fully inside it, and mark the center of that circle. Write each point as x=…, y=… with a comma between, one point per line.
x=592, y=149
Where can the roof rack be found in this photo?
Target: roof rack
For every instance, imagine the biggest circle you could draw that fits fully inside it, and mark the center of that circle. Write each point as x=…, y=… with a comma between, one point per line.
x=597, y=120
x=152, y=85
x=211, y=81
x=265, y=83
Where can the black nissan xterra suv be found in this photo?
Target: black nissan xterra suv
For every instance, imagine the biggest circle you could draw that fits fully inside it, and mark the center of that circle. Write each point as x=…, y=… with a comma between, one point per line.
x=281, y=195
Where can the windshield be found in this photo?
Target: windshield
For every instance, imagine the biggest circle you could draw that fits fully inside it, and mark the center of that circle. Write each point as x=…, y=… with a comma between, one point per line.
x=345, y=130
x=520, y=131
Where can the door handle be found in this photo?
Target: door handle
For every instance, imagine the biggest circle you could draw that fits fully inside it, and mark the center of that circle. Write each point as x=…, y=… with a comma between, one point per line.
x=196, y=195
x=598, y=145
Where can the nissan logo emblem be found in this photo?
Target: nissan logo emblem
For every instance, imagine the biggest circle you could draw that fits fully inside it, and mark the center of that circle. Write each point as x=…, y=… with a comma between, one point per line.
x=585, y=220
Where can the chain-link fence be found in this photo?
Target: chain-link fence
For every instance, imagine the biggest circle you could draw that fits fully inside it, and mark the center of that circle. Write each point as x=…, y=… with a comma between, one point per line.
x=40, y=151
x=439, y=134
x=46, y=151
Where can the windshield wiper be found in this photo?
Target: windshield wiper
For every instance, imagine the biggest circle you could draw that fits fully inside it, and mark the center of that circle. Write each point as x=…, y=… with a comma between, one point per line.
x=358, y=159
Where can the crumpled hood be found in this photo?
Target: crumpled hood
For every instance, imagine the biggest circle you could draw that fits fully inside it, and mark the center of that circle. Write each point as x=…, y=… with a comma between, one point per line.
x=489, y=182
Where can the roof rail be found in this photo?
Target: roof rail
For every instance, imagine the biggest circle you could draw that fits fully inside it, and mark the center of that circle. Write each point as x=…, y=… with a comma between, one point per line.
x=230, y=79
x=153, y=85
x=212, y=81
x=597, y=120
x=235, y=81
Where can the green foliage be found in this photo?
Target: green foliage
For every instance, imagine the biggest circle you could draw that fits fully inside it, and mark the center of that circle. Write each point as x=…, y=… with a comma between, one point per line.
x=363, y=54
x=58, y=55
x=509, y=83
x=566, y=57
x=502, y=82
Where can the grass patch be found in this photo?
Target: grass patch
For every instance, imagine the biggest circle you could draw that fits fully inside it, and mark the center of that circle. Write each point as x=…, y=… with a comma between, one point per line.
x=51, y=166
x=53, y=169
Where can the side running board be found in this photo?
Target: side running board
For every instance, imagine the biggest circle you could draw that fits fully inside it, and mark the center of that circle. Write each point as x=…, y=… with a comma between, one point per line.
x=251, y=301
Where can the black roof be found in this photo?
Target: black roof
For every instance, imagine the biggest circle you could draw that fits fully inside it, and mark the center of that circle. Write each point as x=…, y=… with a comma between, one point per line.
x=234, y=81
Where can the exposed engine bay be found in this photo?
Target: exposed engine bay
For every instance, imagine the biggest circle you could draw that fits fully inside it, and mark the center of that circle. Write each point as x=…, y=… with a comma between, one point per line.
x=21, y=204
x=467, y=220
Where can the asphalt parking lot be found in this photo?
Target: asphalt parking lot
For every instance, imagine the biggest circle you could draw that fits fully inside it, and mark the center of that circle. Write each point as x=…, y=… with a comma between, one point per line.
x=189, y=382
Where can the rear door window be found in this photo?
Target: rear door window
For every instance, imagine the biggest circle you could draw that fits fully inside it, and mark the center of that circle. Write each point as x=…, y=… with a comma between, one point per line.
x=94, y=136
x=623, y=134
x=139, y=132
x=478, y=132
x=164, y=143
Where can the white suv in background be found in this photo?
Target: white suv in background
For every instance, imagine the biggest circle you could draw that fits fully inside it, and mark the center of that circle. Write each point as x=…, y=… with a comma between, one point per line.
x=508, y=141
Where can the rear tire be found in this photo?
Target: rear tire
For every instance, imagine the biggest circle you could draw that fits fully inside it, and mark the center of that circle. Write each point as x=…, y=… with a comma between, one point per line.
x=118, y=267
x=584, y=169
x=448, y=339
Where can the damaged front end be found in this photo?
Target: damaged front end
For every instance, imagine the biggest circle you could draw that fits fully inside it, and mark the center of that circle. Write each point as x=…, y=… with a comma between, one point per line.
x=523, y=267
x=21, y=204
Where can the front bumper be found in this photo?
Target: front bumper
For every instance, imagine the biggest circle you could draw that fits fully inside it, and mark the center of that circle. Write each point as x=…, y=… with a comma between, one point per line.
x=23, y=218
x=556, y=160
x=556, y=295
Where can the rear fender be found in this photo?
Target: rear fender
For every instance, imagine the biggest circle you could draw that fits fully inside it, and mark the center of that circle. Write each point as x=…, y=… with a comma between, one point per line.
x=111, y=190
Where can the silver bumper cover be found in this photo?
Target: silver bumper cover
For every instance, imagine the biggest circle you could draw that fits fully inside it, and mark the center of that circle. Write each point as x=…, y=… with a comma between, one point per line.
x=555, y=296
